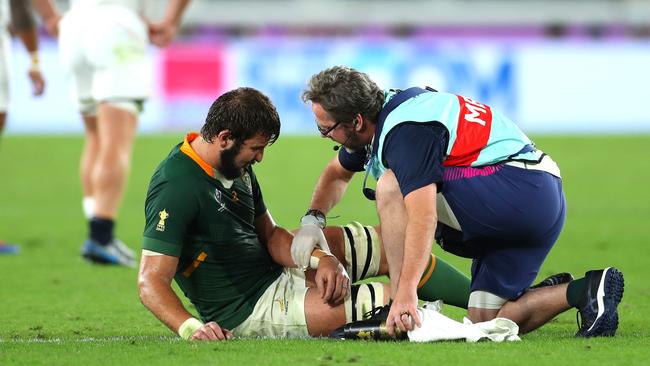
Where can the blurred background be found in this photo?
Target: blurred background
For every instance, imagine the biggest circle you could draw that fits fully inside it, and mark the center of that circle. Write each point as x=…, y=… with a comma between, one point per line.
x=580, y=66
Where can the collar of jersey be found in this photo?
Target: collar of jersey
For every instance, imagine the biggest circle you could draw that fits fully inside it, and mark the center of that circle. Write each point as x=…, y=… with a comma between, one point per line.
x=186, y=148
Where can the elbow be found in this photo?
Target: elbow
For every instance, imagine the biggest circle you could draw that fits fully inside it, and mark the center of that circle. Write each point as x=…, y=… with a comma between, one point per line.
x=144, y=289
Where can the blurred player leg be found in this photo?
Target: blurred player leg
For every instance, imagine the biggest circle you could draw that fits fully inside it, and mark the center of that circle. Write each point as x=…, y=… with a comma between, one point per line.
x=88, y=161
x=104, y=47
x=116, y=128
x=24, y=27
x=3, y=118
x=8, y=248
x=5, y=50
x=5, y=248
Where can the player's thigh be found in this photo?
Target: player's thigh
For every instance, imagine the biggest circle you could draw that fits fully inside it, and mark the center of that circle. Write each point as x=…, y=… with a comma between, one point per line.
x=119, y=57
x=505, y=202
x=280, y=311
x=508, y=271
x=77, y=71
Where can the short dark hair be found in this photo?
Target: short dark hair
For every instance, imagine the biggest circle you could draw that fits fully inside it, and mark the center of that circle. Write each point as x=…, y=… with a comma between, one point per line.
x=245, y=112
x=345, y=92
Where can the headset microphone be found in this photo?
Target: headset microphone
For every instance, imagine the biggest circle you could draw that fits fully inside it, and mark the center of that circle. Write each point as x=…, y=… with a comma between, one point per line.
x=338, y=147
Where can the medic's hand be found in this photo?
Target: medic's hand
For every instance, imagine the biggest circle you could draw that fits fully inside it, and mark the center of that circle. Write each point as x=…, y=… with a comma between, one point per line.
x=309, y=236
x=403, y=315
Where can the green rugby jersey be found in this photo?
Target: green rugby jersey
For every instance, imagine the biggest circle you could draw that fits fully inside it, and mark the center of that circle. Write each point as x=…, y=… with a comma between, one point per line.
x=190, y=214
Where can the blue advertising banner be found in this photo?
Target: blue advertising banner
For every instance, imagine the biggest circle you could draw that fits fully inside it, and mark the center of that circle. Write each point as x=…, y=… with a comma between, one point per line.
x=549, y=87
x=281, y=68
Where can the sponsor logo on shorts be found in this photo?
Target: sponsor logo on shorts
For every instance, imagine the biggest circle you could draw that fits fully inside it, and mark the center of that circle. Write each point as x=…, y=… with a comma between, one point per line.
x=283, y=305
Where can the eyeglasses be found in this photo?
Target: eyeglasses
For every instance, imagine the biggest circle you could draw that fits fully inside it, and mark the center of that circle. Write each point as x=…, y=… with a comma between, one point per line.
x=326, y=131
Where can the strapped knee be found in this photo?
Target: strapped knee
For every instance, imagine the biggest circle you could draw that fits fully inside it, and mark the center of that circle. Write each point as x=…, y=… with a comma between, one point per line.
x=88, y=107
x=485, y=300
x=132, y=106
x=362, y=299
x=362, y=251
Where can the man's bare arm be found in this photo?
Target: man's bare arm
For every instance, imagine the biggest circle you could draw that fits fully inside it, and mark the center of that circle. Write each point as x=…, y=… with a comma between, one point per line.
x=331, y=279
x=175, y=10
x=50, y=15
x=420, y=231
x=163, y=32
x=23, y=24
x=276, y=239
x=331, y=186
x=154, y=284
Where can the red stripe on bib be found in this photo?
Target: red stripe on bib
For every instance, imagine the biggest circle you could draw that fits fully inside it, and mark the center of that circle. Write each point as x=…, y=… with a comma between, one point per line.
x=472, y=134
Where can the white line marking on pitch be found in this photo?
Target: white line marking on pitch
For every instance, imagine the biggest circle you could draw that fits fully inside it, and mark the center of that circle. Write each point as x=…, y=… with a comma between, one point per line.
x=89, y=340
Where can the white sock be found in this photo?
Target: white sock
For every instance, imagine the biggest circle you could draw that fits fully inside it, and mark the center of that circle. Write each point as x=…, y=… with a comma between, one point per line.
x=88, y=204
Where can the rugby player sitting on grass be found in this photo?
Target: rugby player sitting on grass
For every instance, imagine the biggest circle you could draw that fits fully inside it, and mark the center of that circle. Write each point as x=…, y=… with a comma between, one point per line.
x=208, y=228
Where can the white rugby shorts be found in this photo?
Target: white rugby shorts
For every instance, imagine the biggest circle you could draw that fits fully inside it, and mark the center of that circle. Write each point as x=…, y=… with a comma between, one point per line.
x=103, y=49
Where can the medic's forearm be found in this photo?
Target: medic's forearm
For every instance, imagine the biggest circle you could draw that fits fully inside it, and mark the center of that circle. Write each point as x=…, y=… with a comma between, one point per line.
x=331, y=186
x=419, y=235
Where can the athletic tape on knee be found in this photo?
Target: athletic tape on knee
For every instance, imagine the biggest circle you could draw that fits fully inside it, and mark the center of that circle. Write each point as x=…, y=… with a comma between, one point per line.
x=131, y=106
x=88, y=107
x=485, y=300
x=362, y=251
x=362, y=299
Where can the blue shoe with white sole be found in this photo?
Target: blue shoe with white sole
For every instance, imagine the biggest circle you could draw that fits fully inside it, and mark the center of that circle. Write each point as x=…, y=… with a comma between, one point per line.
x=598, y=310
x=115, y=253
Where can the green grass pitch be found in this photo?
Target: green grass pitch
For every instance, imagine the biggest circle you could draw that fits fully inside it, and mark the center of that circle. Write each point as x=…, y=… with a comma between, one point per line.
x=57, y=310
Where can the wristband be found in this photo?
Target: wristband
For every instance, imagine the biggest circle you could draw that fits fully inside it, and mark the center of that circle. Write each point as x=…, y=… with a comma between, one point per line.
x=314, y=216
x=316, y=255
x=188, y=328
x=34, y=66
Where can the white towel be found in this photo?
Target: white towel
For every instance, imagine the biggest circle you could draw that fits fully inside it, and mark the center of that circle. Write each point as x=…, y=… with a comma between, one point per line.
x=437, y=327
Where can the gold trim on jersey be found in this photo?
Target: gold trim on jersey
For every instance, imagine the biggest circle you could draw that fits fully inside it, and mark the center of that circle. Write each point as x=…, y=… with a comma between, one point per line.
x=195, y=264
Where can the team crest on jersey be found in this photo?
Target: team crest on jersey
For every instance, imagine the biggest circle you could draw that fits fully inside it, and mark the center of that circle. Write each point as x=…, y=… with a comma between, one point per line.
x=219, y=199
x=246, y=178
x=163, y=215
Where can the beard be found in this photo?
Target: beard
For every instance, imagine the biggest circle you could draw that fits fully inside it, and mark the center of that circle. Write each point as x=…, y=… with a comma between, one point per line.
x=229, y=168
x=353, y=142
